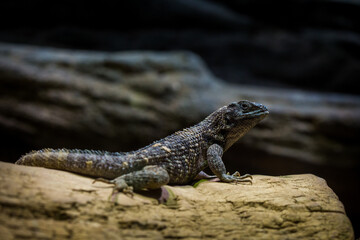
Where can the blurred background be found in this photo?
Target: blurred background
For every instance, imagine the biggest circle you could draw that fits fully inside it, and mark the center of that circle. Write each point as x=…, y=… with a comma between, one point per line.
x=118, y=75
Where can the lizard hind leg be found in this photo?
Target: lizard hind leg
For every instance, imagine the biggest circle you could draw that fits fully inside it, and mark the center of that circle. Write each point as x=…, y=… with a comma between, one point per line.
x=150, y=177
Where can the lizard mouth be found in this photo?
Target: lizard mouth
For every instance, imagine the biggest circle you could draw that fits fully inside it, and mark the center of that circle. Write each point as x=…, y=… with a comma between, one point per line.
x=256, y=113
x=261, y=112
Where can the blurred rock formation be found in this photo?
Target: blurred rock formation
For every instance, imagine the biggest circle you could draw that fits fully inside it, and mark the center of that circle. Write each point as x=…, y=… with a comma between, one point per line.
x=307, y=44
x=122, y=101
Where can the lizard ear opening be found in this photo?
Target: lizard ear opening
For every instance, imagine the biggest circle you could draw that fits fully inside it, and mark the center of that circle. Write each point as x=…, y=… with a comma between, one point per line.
x=229, y=119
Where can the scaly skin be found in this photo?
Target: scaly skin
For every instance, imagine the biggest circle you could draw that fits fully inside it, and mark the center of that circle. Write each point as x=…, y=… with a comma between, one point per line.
x=176, y=159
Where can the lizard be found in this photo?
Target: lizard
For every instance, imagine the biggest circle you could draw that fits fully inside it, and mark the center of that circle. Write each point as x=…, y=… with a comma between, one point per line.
x=176, y=159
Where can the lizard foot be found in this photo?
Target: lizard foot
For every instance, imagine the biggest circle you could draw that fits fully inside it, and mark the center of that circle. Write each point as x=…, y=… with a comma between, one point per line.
x=237, y=174
x=120, y=186
x=236, y=178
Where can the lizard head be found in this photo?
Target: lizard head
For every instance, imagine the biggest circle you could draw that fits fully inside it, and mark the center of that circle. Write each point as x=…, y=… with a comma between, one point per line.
x=239, y=118
x=245, y=110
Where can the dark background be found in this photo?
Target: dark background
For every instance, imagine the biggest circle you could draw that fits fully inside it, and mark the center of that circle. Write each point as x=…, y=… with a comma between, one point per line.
x=312, y=45
x=308, y=44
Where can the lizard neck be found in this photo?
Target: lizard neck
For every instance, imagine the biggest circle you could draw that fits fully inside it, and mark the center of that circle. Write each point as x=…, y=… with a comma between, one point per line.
x=218, y=128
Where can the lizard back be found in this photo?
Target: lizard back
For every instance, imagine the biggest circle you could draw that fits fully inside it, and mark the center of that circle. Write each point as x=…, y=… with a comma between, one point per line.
x=178, y=153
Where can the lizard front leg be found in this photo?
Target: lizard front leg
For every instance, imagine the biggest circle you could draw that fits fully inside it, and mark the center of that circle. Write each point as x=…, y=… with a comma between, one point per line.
x=217, y=166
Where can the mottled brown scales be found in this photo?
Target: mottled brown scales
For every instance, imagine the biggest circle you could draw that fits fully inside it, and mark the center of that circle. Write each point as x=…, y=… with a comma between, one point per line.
x=176, y=159
x=89, y=164
x=166, y=149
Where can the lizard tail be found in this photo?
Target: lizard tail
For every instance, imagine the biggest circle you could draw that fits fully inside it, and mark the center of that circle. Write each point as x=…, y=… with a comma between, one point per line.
x=92, y=163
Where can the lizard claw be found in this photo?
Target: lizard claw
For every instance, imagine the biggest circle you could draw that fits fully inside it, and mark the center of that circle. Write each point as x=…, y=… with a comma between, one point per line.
x=237, y=175
x=128, y=191
x=243, y=180
x=237, y=178
x=103, y=180
x=120, y=186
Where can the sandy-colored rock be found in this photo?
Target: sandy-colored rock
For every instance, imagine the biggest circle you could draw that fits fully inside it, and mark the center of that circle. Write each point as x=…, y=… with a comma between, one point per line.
x=49, y=204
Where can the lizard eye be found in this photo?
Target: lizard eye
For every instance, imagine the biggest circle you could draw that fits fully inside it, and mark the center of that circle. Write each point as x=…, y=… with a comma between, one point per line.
x=245, y=106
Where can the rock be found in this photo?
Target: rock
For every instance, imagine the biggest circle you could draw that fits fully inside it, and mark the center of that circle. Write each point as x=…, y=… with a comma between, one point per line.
x=50, y=204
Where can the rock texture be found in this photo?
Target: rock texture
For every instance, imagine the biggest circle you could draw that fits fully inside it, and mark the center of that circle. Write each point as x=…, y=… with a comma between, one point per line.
x=49, y=204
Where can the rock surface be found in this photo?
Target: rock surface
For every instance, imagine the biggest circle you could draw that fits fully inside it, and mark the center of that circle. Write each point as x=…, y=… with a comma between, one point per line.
x=49, y=204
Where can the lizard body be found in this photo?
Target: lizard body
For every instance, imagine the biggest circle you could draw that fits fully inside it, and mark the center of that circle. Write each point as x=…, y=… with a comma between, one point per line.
x=176, y=159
